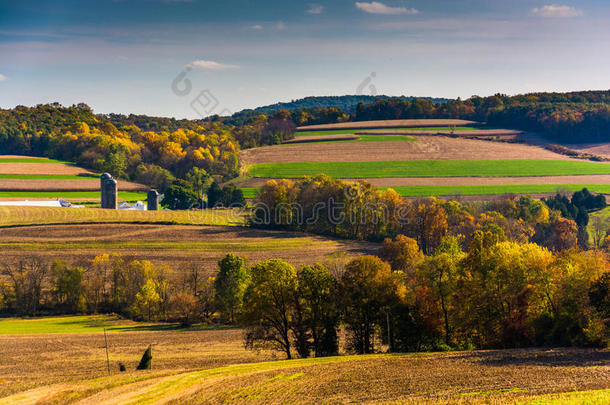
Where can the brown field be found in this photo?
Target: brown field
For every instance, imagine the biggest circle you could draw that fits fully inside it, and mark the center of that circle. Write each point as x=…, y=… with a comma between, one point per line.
x=598, y=149
x=195, y=367
x=40, y=168
x=85, y=184
x=323, y=138
x=424, y=148
x=173, y=245
x=482, y=133
x=387, y=124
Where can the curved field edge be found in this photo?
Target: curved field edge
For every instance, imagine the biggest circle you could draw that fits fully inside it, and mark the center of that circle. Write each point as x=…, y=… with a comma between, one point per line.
x=429, y=168
x=20, y=216
x=255, y=382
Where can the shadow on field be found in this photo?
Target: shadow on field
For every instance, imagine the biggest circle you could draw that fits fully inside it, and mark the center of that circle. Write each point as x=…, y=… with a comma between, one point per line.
x=560, y=357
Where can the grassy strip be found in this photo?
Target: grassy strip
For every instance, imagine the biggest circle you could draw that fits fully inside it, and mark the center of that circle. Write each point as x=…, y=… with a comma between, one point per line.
x=425, y=191
x=430, y=168
x=17, y=216
x=32, y=160
x=363, y=138
x=70, y=195
x=355, y=131
x=85, y=324
x=234, y=245
x=48, y=177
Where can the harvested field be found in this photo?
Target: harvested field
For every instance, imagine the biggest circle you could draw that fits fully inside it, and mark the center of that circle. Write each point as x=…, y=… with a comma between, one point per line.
x=63, y=185
x=481, y=133
x=388, y=124
x=41, y=168
x=425, y=148
x=173, y=245
x=195, y=367
x=18, y=216
x=91, y=196
x=322, y=138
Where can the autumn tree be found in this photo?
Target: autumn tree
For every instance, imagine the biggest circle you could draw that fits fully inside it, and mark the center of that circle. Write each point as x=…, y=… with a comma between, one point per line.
x=369, y=289
x=402, y=253
x=268, y=306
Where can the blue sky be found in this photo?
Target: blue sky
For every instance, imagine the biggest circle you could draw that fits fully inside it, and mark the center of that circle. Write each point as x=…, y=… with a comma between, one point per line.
x=124, y=55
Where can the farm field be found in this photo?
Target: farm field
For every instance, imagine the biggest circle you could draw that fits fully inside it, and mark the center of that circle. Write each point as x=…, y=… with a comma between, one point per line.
x=317, y=139
x=26, y=177
x=429, y=168
x=174, y=245
x=211, y=365
x=304, y=132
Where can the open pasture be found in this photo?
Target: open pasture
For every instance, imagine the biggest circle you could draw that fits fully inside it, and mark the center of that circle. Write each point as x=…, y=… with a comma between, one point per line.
x=430, y=168
x=211, y=366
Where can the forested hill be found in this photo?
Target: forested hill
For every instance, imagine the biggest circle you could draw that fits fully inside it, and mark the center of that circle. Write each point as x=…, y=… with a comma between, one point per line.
x=346, y=103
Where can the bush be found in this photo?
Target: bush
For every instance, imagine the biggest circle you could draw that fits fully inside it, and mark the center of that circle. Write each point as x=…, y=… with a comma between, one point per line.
x=146, y=361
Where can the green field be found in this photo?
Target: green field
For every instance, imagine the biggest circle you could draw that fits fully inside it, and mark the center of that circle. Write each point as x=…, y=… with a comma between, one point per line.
x=11, y=216
x=72, y=324
x=430, y=168
x=355, y=131
x=31, y=160
x=70, y=195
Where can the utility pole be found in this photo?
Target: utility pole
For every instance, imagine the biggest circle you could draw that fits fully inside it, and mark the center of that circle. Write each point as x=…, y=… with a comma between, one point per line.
x=107, y=357
x=387, y=317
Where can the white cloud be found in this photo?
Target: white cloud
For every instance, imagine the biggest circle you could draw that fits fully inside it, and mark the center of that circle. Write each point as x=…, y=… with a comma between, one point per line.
x=557, y=11
x=2, y=77
x=257, y=27
x=379, y=8
x=211, y=65
x=315, y=9
x=280, y=25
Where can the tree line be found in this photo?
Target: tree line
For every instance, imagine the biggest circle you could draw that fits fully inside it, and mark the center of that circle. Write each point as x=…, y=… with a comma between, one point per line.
x=495, y=294
x=357, y=210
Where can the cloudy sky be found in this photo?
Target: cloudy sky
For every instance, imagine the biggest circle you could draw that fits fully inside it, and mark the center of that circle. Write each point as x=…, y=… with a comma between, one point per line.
x=185, y=58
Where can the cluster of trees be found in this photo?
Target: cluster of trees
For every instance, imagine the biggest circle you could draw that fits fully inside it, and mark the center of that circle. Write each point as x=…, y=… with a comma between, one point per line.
x=327, y=206
x=261, y=129
x=153, y=158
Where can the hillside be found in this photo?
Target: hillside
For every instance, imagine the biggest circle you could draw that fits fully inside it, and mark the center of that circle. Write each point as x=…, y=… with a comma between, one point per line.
x=347, y=103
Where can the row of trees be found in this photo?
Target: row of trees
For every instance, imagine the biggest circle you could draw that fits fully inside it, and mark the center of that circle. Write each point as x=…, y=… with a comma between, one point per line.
x=357, y=210
x=495, y=294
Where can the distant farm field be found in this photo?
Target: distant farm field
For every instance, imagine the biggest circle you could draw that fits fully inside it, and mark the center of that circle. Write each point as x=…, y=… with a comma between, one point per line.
x=429, y=168
x=357, y=130
x=41, y=178
x=388, y=124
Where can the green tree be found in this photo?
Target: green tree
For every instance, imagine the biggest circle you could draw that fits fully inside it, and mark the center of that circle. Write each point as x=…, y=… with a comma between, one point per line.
x=179, y=196
x=199, y=180
x=230, y=285
x=146, y=301
x=318, y=311
x=269, y=305
x=368, y=290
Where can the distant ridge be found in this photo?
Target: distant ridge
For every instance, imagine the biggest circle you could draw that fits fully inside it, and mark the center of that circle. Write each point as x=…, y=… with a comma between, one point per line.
x=347, y=103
